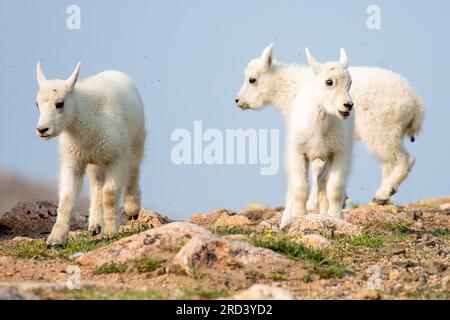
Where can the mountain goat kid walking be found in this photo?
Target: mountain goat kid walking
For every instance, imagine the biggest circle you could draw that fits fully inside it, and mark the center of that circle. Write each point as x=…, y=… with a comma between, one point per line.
x=320, y=126
x=100, y=121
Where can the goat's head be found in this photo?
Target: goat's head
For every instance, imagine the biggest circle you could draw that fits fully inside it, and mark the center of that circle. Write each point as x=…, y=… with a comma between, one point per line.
x=255, y=91
x=55, y=103
x=332, y=83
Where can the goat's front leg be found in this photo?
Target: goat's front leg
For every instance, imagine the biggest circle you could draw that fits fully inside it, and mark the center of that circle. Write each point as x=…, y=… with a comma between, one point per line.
x=297, y=172
x=112, y=191
x=337, y=181
x=71, y=180
x=317, y=170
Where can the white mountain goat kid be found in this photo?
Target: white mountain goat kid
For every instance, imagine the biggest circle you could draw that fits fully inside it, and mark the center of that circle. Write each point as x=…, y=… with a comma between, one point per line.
x=320, y=126
x=100, y=121
x=387, y=109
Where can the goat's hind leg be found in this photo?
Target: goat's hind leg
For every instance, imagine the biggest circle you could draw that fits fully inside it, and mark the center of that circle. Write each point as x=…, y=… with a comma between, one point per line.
x=112, y=190
x=132, y=203
x=399, y=170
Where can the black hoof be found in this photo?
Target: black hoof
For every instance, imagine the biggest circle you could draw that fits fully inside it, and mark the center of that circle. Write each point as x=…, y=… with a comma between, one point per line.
x=97, y=230
x=134, y=217
x=393, y=191
x=344, y=204
x=381, y=202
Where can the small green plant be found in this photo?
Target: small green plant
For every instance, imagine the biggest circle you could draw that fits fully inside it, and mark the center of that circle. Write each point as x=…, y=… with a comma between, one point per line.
x=108, y=268
x=82, y=242
x=397, y=227
x=369, y=240
x=287, y=247
x=444, y=233
x=320, y=264
x=202, y=293
x=254, y=275
x=307, y=278
x=225, y=231
x=147, y=264
x=278, y=277
x=95, y=293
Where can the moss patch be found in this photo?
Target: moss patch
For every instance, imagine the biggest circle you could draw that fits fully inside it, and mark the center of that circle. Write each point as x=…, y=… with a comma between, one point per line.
x=108, y=268
x=317, y=259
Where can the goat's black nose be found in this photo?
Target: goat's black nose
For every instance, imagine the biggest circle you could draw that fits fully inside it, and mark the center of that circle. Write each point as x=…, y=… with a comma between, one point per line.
x=348, y=105
x=42, y=130
x=236, y=100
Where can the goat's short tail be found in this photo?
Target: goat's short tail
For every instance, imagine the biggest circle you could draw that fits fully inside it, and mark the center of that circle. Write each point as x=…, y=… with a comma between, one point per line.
x=415, y=125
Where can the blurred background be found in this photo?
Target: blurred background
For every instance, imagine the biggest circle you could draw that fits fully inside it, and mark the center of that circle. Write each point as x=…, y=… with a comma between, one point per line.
x=187, y=59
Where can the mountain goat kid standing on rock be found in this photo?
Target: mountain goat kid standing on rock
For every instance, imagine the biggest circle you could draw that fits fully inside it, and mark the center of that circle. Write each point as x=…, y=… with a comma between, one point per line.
x=320, y=126
x=100, y=121
x=388, y=109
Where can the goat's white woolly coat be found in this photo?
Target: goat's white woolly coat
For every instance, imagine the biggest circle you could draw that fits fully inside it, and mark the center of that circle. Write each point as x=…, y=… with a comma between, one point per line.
x=316, y=130
x=104, y=134
x=387, y=108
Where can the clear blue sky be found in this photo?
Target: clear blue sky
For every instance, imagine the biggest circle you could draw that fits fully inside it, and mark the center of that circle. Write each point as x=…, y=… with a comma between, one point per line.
x=187, y=58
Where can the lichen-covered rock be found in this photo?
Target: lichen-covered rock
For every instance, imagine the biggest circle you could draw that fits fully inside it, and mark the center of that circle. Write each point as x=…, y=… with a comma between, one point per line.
x=256, y=212
x=318, y=222
x=156, y=243
x=146, y=217
x=263, y=292
x=229, y=221
x=207, y=250
x=375, y=213
x=207, y=220
x=34, y=218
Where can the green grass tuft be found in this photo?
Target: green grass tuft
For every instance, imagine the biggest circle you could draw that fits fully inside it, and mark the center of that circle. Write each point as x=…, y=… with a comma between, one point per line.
x=147, y=264
x=320, y=264
x=83, y=242
x=397, y=227
x=108, y=268
x=369, y=240
x=225, y=231
x=188, y=294
x=93, y=293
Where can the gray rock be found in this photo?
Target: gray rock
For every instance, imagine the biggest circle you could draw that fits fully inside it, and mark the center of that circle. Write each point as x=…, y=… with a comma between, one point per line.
x=207, y=250
x=34, y=218
x=158, y=243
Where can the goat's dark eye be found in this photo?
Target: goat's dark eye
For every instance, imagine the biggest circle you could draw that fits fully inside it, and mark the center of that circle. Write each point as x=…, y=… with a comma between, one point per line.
x=329, y=82
x=59, y=105
x=252, y=80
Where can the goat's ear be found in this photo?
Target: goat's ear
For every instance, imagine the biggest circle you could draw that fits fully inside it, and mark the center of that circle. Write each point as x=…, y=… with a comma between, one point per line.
x=40, y=75
x=266, y=56
x=344, y=58
x=70, y=82
x=312, y=62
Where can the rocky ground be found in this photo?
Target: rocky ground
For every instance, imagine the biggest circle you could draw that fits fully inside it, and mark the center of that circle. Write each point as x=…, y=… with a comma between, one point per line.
x=379, y=252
